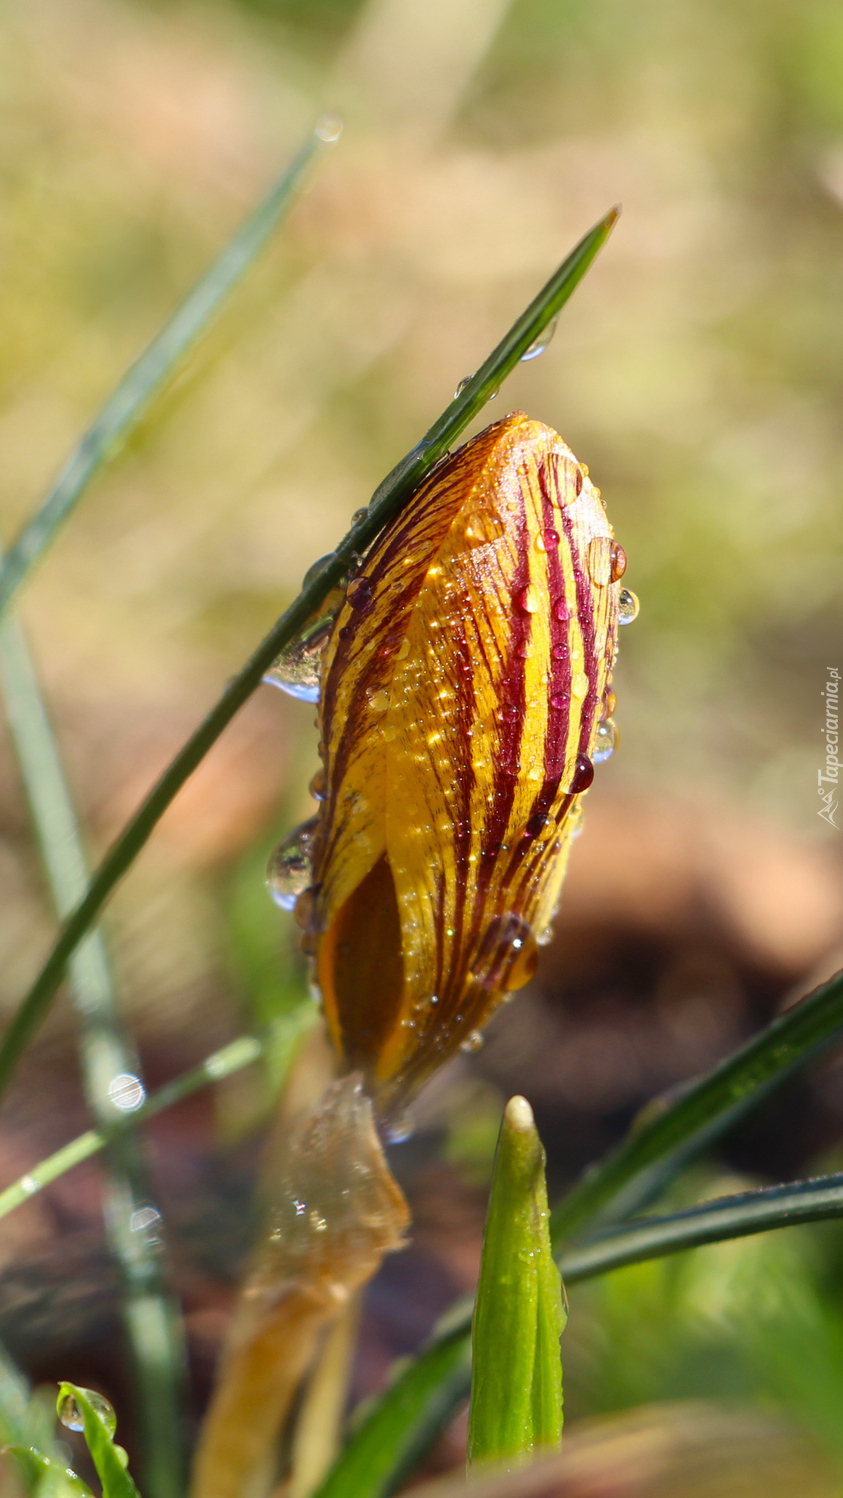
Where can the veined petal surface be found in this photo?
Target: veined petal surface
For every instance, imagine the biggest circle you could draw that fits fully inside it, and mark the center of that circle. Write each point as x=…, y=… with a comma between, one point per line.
x=463, y=685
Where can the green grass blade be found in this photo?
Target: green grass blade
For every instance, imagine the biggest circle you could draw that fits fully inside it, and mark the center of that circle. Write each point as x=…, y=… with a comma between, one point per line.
x=115, y=1479
x=390, y=495
x=516, y=1389
x=715, y=1221
x=666, y=1136
x=151, y=1316
x=244, y=1051
x=400, y=1427
x=409, y=1405
x=47, y=1475
x=146, y=378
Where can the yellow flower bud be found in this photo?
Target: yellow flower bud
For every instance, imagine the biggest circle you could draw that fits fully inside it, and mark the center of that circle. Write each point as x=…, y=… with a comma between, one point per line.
x=464, y=685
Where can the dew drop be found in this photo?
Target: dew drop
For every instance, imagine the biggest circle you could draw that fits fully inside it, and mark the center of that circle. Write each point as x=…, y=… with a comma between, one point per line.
x=546, y=540
x=127, y=1092
x=560, y=608
x=461, y=386
x=583, y=775
x=599, y=560
x=360, y=592
x=304, y=909
x=610, y=702
x=473, y=1042
x=329, y=128
x=297, y=670
x=579, y=684
x=606, y=741
x=481, y=527
x=360, y=515
x=289, y=871
x=540, y=343
x=379, y=701
x=70, y=1411
x=399, y=1129
x=527, y=600
x=507, y=955
x=317, y=785
x=628, y=606
x=403, y=650
x=618, y=561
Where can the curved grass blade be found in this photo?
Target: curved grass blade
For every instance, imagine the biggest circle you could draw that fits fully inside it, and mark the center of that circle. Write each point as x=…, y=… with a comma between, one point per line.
x=115, y=1479
x=666, y=1136
x=374, y=1462
x=388, y=498
x=244, y=1051
x=47, y=1476
x=516, y=1390
x=147, y=377
x=151, y=1315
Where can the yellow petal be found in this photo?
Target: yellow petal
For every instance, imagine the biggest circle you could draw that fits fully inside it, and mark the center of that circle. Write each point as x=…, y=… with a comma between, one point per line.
x=462, y=688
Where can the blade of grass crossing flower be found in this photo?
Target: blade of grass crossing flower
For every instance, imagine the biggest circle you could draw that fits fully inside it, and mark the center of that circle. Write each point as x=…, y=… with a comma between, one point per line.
x=516, y=1369
x=666, y=1135
x=76, y=1407
x=387, y=500
x=110, y=1072
x=146, y=378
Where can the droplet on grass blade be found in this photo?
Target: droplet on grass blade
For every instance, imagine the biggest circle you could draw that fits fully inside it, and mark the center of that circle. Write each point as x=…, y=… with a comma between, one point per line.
x=289, y=871
x=71, y=1414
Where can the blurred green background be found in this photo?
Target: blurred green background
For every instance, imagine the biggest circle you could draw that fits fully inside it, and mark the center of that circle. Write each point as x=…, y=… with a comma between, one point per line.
x=699, y=373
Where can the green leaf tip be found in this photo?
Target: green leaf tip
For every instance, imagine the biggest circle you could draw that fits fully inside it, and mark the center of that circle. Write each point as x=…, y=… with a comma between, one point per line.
x=519, y=1314
x=83, y=1409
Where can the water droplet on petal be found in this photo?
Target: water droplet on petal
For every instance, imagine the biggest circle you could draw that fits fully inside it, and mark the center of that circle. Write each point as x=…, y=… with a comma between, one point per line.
x=618, y=560
x=481, y=527
x=379, y=701
x=558, y=701
x=127, y=1092
x=507, y=955
x=317, y=785
x=560, y=608
x=606, y=741
x=527, y=600
x=360, y=592
x=70, y=1411
x=599, y=560
x=540, y=343
x=297, y=670
x=289, y=871
x=628, y=606
x=399, y=1128
x=583, y=775
x=579, y=684
x=473, y=1041
x=546, y=540
x=610, y=702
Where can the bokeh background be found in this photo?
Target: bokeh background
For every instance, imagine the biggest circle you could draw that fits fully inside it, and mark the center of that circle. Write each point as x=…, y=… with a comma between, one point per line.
x=698, y=371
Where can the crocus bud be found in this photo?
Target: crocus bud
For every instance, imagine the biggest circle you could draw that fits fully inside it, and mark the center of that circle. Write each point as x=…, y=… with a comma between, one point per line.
x=464, y=686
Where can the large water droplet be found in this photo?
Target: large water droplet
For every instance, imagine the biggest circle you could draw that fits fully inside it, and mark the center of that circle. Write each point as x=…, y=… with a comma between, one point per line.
x=481, y=527
x=473, y=1042
x=583, y=775
x=399, y=1128
x=317, y=785
x=126, y=1092
x=289, y=872
x=329, y=128
x=579, y=684
x=606, y=741
x=547, y=540
x=297, y=670
x=618, y=559
x=527, y=600
x=70, y=1411
x=360, y=592
x=507, y=955
x=628, y=606
x=461, y=386
x=540, y=343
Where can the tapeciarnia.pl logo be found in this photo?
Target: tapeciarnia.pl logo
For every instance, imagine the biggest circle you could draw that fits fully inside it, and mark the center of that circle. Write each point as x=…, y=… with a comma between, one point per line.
x=831, y=731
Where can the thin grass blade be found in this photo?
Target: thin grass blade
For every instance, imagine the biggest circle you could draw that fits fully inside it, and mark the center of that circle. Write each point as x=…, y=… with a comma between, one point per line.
x=99, y=1439
x=151, y=1316
x=148, y=376
x=388, y=498
x=516, y=1390
x=666, y=1136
